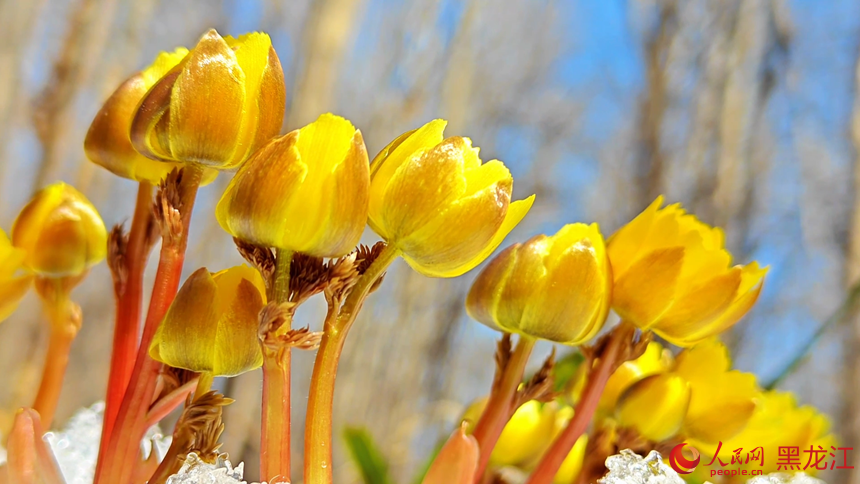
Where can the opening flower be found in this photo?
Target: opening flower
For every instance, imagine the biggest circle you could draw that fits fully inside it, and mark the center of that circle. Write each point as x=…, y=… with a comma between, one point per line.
x=435, y=200
x=673, y=276
x=556, y=288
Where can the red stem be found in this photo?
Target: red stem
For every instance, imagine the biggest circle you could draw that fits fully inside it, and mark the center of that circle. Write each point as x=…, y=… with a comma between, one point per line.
x=585, y=408
x=500, y=406
x=117, y=460
x=128, y=306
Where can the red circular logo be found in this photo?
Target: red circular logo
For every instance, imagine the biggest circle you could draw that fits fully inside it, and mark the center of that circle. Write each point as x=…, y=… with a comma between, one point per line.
x=681, y=464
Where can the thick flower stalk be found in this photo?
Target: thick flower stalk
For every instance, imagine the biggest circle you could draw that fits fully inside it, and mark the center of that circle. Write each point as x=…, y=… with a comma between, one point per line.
x=673, y=276
x=62, y=235
x=555, y=288
x=15, y=279
x=435, y=201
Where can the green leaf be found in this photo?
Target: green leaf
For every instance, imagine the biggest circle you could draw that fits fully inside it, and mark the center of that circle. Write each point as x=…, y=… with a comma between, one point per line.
x=565, y=369
x=366, y=455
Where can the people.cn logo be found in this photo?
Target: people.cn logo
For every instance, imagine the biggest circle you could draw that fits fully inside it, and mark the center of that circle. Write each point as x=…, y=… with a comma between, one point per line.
x=681, y=464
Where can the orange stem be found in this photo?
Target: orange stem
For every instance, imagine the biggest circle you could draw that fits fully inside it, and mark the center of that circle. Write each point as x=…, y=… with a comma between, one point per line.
x=585, y=408
x=500, y=406
x=318, y=421
x=128, y=306
x=64, y=317
x=275, y=442
x=117, y=460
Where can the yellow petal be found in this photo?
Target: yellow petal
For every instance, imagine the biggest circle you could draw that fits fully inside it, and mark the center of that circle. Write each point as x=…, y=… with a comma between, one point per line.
x=260, y=120
x=644, y=292
x=526, y=435
x=389, y=160
x=187, y=336
x=455, y=236
x=625, y=245
x=484, y=298
x=11, y=293
x=654, y=361
x=206, y=104
x=572, y=297
x=695, y=310
x=423, y=188
x=527, y=273
x=237, y=330
x=720, y=409
x=516, y=212
x=655, y=406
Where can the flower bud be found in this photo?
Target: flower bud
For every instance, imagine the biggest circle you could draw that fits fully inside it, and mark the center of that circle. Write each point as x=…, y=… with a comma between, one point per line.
x=655, y=407
x=222, y=102
x=438, y=204
x=673, y=276
x=212, y=324
x=14, y=279
x=61, y=232
x=108, y=143
x=722, y=401
x=556, y=288
x=306, y=191
x=654, y=361
x=457, y=462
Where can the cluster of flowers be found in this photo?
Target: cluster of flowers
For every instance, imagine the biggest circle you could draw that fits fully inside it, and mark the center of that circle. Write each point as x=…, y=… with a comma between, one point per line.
x=296, y=208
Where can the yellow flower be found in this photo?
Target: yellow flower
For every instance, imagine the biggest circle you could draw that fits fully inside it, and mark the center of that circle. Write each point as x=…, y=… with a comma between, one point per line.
x=777, y=422
x=722, y=401
x=655, y=406
x=108, y=143
x=14, y=280
x=61, y=232
x=434, y=200
x=556, y=288
x=212, y=324
x=673, y=276
x=525, y=437
x=306, y=191
x=224, y=100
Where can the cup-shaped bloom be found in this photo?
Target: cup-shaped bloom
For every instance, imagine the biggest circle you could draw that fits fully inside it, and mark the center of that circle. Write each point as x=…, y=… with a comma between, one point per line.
x=224, y=100
x=15, y=280
x=306, y=191
x=108, y=143
x=722, y=400
x=673, y=276
x=212, y=325
x=435, y=201
x=556, y=288
x=61, y=232
x=777, y=423
x=655, y=406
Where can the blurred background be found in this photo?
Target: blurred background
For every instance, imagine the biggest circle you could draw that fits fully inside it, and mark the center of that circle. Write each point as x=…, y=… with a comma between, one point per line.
x=747, y=111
